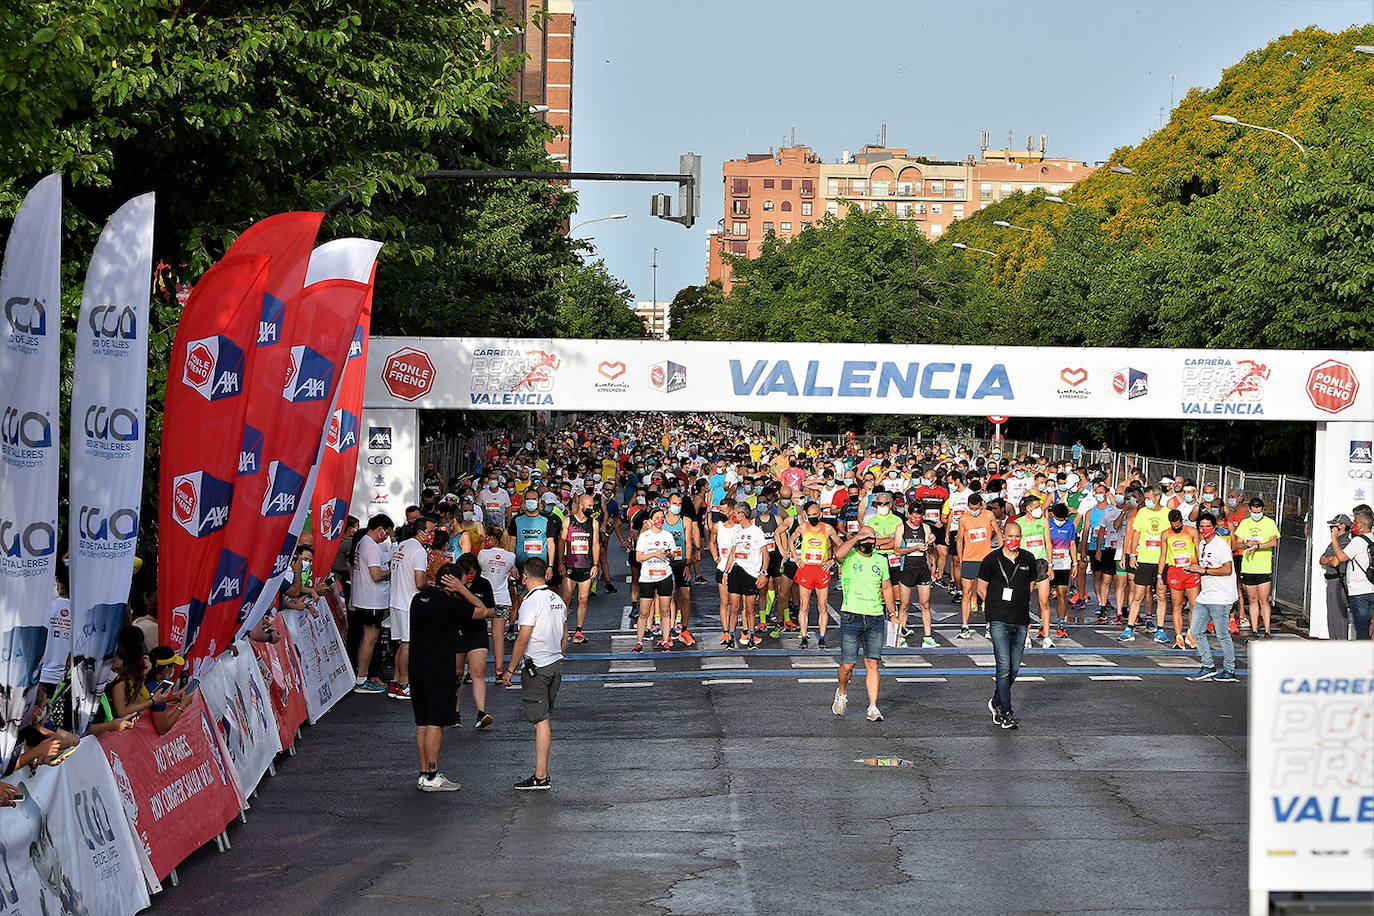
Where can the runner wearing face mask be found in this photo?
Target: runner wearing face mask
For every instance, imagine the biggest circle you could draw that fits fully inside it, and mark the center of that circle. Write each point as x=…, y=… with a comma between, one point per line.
x=1257, y=535
x=979, y=533
x=888, y=525
x=1100, y=522
x=811, y=549
x=916, y=543
x=654, y=551
x=951, y=513
x=1035, y=540
x=930, y=502
x=580, y=558
x=1063, y=558
x=1178, y=558
x=1143, y=544
x=720, y=545
x=1236, y=510
x=745, y=576
x=768, y=518
x=684, y=552
x=529, y=534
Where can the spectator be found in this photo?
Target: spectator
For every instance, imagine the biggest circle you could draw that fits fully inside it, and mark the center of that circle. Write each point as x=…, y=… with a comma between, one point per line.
x=1359, y=577
x=1337, y=602
x=42, y=743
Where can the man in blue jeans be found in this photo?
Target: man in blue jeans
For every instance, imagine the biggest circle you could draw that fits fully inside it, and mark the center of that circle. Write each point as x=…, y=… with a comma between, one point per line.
x=867, y=605
x=1004, y=585
x=1356, y=557
x=1215, y=596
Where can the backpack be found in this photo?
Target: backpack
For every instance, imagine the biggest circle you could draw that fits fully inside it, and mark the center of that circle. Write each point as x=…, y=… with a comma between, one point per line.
x=1368, y=568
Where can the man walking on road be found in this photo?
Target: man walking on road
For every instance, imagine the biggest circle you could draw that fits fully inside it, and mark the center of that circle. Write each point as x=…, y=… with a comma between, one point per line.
x=868, y=601
x=1217, y=592
x=540, y=645
x=1004, y=583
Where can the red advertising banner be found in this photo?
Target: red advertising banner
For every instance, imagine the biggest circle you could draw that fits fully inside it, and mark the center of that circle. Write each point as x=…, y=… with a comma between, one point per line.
x=339, y=462
x=201, y=434
x=278, y=663
x=181, y=784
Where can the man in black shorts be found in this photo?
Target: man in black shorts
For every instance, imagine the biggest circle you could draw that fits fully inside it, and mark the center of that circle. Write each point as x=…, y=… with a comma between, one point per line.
x=437, y=613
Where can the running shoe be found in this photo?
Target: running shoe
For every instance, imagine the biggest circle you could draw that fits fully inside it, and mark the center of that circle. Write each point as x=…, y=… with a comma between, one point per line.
x=437, y=783
x=1102, y=616
x=874, y=715
x=639, y=647
x=1227, y=677
x=1162, y=636
x=820, y=642
x=686, y=638
x=510, y=635
x=1127, y=635
x=1060, y=632
x=987, y=632
x=908, y=632
x=457, y=720
x=1205, y=673
x=958, y=596
x=964, y=633
x=369, y=687
x=467, y=677
x=731, y=641
x=391, y=688
x=1009, y=720
x=1211, y=628
x=996, y=713
x=665, y=646
x=1119, y=621
x=676, y=631
x=1029, y=644
x=656, y=630
x=1179, y=643
x=840, y=703
x=534, y=784
x=1047, y=643
x=744, y=639
x=1234, y=627
x=789, y=625
x=806, y=642
x=578, y=636
x=775, y=632
x=634, y=616
x=1150, y=627
x=753, y=644
x=610, y=587
x=929, y=643
x=402, y=692
x=698, y=579
x=725, y=640
x=484, y=720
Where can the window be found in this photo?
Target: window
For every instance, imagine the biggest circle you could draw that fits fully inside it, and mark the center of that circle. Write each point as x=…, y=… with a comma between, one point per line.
x=767, y=205
x=787, y=184
x=985, y=191
x=921, y=208
x=957, y=188
x=739, y=186
x=767, y=228
x=1058, y=188
x=832, y=187
x=936, y=230
x=1006, y=189
x=768, y=184
x=786, y=227
x=739, y=207
x=806, y=208
x=832, y=208
x=958, y=211
x=740, y=248
x=904, y=211
x=738, y=228
x=937, y=208
x=880, y=188
x=808, y=187
x=858, y=186
x=786, y=206
x=903, y=189
x=937, y=187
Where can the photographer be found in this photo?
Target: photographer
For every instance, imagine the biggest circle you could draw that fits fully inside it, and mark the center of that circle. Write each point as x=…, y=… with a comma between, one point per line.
x=1337, y=602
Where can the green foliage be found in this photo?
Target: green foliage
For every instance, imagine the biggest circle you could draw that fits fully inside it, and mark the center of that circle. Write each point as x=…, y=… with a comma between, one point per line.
x=595, y=305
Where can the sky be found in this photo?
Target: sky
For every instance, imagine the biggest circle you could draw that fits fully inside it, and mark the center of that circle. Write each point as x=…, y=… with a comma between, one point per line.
x=656, y=78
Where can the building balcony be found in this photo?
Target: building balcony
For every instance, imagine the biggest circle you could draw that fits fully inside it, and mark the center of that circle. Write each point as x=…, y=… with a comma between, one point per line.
x=739, y=190
x=808, y=192
x=738, y=213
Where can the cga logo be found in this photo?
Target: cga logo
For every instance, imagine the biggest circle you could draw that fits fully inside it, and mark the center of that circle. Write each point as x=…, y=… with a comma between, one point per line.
x=26, y=316
x=250, y=454
x=104, y=424
x=25, y=436
x=269, y=328
x=200, y=503
x=283, y=490
x=379, y=437
x=94, y=525
x=214, y=367
x=37, y=539
x=1360, y=451
x=668, y=377
x=1130, y=383
x=228, y=581
x=333, y=514
x=343, y=431
x=309, y=376
x=110, y=322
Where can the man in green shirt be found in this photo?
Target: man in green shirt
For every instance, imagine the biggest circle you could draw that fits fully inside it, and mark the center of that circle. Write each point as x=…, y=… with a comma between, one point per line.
x=867, y=605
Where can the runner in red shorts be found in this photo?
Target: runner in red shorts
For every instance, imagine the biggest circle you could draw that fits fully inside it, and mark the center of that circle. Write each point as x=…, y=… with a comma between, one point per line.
x=812, y=552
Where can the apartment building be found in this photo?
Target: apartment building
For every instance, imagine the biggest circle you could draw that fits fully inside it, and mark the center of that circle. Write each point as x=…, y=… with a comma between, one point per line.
x=545, y=81
x=655, y=317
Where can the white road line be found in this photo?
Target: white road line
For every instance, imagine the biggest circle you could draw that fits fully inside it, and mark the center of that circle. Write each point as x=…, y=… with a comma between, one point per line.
x=1174, y=661
x=984, y=661
x=813, y=661
x=720, y=662
x=629, y=684
x=1113, y=677
x=905, y=661
x=921, y=680
x=1030, y=679
x=631, y=667
x=1089, y=661
x=816, y=680
x=625, y=617
x=728, y=680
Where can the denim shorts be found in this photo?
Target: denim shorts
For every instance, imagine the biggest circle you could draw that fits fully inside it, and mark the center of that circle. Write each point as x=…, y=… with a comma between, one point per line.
x=861, y=635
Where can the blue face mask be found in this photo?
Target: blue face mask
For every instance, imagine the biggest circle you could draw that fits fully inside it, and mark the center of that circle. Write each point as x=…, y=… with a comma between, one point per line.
x=746, y=489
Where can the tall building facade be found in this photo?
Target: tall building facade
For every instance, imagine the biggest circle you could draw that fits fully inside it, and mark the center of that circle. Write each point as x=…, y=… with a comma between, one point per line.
x=782, y=192
x=655, y=317
x=545, y=80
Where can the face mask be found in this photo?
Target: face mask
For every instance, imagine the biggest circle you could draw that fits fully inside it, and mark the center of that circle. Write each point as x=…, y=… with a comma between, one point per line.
x=765, y=508
x=531, y=505
x=1188, y=497
x=1257, y=514
x=1099, y=497
x=848, y=481
x=1232, y=502
x=641, y=500
x=469, y=516
x=784, y=503
x=746, y=489
x=1120, y=499
x=675, y=508
x=1013, y=543
x=492, y=486
x=1037, y=512
x=1178, y=527
x=1207, y=533
x=884, y=510
x=1149, y=504
x=1208, y=498
x=865, y=547
x=657, y=521
x=975, y=512
x=814, y=519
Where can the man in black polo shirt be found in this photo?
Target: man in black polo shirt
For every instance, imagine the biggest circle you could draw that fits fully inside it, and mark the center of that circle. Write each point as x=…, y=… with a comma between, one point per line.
x=1004, y=585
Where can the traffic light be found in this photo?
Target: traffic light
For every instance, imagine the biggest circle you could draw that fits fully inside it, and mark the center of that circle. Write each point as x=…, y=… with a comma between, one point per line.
x=688, y=193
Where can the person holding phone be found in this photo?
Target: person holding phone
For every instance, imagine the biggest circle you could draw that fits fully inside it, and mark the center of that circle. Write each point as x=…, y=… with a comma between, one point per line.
x=43, y=744
x=164, y=663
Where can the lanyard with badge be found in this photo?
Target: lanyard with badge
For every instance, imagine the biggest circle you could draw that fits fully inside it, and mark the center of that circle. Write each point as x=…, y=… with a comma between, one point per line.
x=1006, y=580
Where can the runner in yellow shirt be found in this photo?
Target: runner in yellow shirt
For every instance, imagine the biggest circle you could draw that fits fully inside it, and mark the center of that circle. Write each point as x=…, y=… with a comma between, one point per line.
x=1179, y=555
x=1258, y=535
x=1143, y=544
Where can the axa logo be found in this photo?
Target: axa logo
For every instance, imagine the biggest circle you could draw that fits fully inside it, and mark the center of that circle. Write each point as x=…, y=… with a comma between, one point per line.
x=379, y=437
x=94, y=524
x=111, y=424
x=1360, y=451
x=31, y=541
x=309, y=376
x=200, y=503
x=355, y=349
x=269, y=327
x=283, y=491
x=1130, y=383
x=25, y=429
x=250, y=454
x=229, y=574
x=333, y=514
x=26, y=316
x=111, y=321
x=343, y=431
x=213, y=367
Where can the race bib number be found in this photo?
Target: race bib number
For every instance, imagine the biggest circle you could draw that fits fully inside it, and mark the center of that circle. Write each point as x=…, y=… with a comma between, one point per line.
x=1035, y=542
x=1152, y=543
x=1252, y=542
x=894, y=561
x=1183, y=559
x=533, y=544
x=932, y=515
x=1060, y=555
x=852, y=526
x=580, y=547
x=813, y=555
x=977, y=535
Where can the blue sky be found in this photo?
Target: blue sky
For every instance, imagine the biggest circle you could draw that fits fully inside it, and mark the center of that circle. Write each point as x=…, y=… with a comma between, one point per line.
x=655, y=78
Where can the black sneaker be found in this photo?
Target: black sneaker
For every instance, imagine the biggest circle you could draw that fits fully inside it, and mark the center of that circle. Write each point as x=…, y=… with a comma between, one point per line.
x=483, y=720
x=467, y=677
x=534, y=784
x=611, y=588
x=1008, y=720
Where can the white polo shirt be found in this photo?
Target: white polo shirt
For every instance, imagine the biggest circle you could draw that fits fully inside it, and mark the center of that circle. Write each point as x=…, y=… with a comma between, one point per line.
x=1216, y=589
x=547, y=615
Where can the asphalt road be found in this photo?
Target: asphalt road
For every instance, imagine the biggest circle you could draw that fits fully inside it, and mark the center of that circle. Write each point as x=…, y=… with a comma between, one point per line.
x=717, y=782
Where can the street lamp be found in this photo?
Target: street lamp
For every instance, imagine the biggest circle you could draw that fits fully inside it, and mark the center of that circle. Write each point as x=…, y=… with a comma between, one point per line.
x=962, y=247
x=1121, y=170
x=538, y=109
x=557, y=157
x=1006, y=225
x=1227, y=119
x=1367, y=50
x=1058, y=200
x=598, y=220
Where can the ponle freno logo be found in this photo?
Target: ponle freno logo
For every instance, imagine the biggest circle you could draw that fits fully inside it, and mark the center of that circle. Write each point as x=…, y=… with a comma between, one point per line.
x=408, y=374
x=213, y=367
x=1075, y=379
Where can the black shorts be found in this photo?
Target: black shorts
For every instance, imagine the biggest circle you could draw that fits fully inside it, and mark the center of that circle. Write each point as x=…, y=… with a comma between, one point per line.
x=1061, y=577
x=682, y=576
x=941, y=535
x=1042, y=570
x=365, y=617
x=1106, y=563
x=538, y=692
x=579, y=575
x=1255, y=578
x=789, y=569
x=663, y=588
x=741, y=583
x=774, y=564
x=912, y=574
x=434, y=696
x=720, y=576
x=1146, y=573
x=953, y=542
x=468, y=644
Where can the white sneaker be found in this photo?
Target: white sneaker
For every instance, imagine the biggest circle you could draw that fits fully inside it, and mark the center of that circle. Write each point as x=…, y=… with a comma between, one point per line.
x=841, y=703
x=874, y=715
x=437, y=783
x=1047, y=643
x=1028, y=642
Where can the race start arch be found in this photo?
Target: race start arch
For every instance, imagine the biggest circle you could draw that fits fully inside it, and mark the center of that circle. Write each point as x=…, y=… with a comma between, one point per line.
x=1333, y=389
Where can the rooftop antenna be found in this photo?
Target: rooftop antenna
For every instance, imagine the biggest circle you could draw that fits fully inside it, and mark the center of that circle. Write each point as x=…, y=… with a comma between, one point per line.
x=794, y=137
x=1171, y=91
x=984, y=141
x=883, y=142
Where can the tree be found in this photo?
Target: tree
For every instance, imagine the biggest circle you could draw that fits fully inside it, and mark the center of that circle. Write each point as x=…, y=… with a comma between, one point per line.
x=594, y=304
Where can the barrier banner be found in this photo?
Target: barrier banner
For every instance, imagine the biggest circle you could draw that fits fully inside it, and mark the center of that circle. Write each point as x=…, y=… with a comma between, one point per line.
x=179, y=789
x=338, y=463
x=67, y=847
x=285, y=240
x=1311, y=772
x=742, y=376
x=202, y=432
x=108, y=425
x=283, y=676
x=30, y=296
x=240, y=704
x=291, y=410
x=325, y=669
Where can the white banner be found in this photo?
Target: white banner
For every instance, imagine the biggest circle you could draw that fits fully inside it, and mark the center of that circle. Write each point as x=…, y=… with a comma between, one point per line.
x=1344, y=479
x=236, y=694
x=546, y=374
x=67, y=847
x=388, y=475
x=1311, y=768
x=108, y=426
x=324, y=664
x=32, y=305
